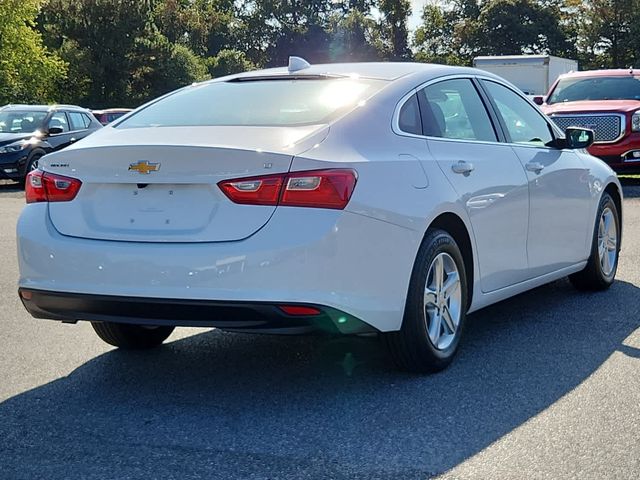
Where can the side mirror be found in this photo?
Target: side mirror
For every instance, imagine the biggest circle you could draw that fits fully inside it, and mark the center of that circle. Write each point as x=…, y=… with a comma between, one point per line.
x=538, y=100
x=579, y=137
x=55, y=130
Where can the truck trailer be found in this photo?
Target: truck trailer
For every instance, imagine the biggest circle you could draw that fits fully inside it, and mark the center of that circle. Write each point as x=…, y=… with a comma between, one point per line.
x=533, y=74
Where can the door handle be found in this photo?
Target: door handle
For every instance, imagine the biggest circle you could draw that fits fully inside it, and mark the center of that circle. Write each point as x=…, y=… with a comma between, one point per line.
x=464, y=168
x=536, y=167
x=73, y=139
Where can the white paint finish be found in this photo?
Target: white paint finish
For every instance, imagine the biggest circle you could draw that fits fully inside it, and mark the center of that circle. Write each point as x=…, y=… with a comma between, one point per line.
x=267, y=139
x=358, y=260
x=496, y=198
x=191, y=161
x=110, y=206
x=560, y=220
x=347, y=261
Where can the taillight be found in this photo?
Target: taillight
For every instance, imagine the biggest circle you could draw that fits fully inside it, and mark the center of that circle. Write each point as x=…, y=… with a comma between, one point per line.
x=48, y=187
x=254, y=191
x=316, y=188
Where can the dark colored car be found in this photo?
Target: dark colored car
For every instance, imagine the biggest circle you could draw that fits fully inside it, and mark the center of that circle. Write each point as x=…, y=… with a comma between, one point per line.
x=110, y=114
x=607, y=102
x=27, y=132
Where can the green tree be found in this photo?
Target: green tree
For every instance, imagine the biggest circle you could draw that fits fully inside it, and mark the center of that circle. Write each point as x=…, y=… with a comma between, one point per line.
x=227, y=62
x=395, y=14
x=105, y=33
x=120, y=58
x=276, y=29
x=458, y=31
x=205, y=26
x=508, y=27
x=609, y=33
x=28, y=71
x=354, y=36
x=160, y=66
x=434, y=39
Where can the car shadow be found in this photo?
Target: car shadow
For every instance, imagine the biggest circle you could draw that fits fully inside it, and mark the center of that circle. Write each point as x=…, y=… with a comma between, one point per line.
x=630, y=186
x=7, y=186
x=222, y=405
x=11, y=189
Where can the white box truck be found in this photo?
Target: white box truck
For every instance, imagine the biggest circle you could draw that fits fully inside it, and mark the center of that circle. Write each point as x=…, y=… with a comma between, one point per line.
x=533, y=74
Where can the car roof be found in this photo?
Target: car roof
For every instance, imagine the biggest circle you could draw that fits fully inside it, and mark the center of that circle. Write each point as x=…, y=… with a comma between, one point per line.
x=374, y=70
x=39, y=108
x=620, y=72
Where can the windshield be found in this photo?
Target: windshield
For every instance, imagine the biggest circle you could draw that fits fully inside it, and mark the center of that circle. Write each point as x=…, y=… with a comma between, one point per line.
x=596, y=88
x=257, y=103
x=12, y=121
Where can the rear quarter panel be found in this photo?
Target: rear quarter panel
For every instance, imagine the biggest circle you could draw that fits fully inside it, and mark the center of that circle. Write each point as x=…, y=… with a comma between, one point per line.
x=398, y=181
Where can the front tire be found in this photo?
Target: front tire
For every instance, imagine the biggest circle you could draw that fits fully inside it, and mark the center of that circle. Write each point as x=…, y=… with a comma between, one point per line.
x=131, y=337
x=31, y=165
x=436, y=308
x=602, y=265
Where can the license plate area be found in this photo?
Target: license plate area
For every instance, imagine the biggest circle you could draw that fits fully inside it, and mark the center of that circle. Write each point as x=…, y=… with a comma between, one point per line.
x=153, y=208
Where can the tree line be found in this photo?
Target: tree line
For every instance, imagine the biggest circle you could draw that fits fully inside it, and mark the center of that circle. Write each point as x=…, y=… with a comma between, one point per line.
x=101, y=53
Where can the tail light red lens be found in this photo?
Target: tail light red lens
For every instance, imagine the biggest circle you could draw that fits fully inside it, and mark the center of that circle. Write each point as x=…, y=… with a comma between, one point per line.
x=48, y=187
x=316, y=189
x=254, y=191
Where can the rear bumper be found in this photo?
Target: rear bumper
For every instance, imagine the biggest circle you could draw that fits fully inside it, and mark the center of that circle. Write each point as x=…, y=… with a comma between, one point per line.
x=236, y=316
x=337, y=259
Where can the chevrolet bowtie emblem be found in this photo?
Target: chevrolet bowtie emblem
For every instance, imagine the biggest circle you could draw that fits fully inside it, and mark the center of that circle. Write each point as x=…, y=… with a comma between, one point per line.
x=144, y=167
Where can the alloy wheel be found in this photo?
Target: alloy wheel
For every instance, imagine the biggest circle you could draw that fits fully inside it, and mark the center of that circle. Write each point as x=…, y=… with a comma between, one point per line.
x=607, y=242
x=442, y=301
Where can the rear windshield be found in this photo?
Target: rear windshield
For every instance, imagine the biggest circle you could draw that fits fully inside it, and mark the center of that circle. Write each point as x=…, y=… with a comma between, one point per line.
x=257, y=103
x=596, y=88
x=13, y=121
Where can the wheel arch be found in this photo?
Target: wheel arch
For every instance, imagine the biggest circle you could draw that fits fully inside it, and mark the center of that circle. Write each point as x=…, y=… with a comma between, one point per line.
x=455, y=226
x=39, y=150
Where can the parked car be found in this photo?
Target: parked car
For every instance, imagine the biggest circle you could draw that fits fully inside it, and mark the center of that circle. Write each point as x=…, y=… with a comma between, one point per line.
x=109, y=115
x=27, y=132
x=385, y=197
x=606, y=101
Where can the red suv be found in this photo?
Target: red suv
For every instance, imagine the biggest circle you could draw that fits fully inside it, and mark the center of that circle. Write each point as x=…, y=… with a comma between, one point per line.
x=110, y=114
x=606, y=101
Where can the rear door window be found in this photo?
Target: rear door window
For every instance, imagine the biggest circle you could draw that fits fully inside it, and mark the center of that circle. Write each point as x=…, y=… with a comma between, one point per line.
x=78, y=121
x=453, y=109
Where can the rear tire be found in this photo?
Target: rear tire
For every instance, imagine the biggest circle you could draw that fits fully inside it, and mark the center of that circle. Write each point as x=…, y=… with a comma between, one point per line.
x=602, y=265
x=436, y=308
x=133, y=337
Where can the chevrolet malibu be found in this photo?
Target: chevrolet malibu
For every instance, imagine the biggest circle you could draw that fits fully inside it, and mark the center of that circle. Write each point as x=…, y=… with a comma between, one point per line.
x=347, y=198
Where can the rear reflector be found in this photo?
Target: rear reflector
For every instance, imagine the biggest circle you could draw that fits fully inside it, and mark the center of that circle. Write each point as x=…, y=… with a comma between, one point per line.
x=316, y=189
x=48, y=187
x=299, y=311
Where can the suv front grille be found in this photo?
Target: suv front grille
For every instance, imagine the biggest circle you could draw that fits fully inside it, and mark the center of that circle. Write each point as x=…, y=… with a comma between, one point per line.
x=608, y=128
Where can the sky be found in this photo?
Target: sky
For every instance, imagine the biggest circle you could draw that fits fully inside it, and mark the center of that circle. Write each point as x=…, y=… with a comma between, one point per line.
x=416, y=6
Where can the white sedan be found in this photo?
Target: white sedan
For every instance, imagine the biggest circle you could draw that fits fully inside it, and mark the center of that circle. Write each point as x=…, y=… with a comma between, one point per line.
x=384, y=197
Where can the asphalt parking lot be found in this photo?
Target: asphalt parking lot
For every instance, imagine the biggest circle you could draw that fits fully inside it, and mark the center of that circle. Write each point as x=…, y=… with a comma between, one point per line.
x=547, y=385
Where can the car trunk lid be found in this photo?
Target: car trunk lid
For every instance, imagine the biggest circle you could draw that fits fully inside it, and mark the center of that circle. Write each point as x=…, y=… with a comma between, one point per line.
x=160, y=184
